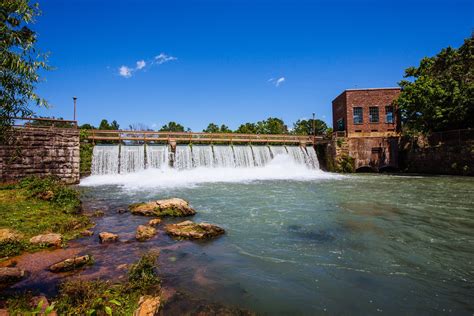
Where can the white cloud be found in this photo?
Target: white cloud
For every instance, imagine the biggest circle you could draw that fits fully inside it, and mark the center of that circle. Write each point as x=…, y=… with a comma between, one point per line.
x=140, y=64
x=277, y=81
x=163, y=58
x=125, y=72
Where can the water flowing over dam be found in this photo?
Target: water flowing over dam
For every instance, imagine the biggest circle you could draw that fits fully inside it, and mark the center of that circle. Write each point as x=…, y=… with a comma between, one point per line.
x=124, y=159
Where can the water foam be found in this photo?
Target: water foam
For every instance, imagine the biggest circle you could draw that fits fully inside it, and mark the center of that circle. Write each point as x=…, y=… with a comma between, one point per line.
x=282, y=167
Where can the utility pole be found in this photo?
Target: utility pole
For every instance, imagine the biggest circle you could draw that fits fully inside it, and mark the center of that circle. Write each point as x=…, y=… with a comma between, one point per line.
x=314, y=130
x=75, y=99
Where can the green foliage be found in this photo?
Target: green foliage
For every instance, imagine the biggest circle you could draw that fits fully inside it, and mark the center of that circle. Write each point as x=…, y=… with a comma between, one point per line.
x=247, y=128
x=28, y=215
x=142, y=275
x=214, y=128
x=104, y=125
x=86, y=126
x=172, y=127
x=305, y=127
x=346, y=164
x=271, y=125
x=441, y=95
x=78, y=297
x=19, y=61
x=50, y=189
x=85, y=152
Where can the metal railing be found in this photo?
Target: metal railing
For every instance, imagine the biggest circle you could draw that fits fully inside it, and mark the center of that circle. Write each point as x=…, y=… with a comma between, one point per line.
x=197, y=137
x=43, y=122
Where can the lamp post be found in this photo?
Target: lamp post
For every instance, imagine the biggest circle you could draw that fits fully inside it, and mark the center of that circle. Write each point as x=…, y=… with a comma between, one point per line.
x=75, y=99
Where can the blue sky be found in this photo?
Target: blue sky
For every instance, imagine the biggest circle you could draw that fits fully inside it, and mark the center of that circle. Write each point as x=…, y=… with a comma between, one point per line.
x=232, y=62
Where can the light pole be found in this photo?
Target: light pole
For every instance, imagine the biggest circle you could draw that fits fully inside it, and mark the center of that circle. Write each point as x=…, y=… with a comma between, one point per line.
x=75, y=99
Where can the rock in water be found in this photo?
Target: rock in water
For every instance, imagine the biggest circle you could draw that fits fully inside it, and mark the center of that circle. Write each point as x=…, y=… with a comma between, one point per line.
x=87, y=233
x=108, y=237
x=189, y=229
x=71, y=264
x=170, y=207
x=154, y=222
x=47, y=239
x=10, y=275
x=145, y=232
x=147, y=306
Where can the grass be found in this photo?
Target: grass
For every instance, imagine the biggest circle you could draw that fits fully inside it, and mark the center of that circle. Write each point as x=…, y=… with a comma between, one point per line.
x=79, y=297
x=36, y=206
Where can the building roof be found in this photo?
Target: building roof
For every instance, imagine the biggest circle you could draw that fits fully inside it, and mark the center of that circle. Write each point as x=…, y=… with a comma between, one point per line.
x=366, y=89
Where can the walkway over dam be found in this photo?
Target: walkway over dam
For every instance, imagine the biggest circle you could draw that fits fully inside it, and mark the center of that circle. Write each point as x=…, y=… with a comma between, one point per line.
x=198, y=137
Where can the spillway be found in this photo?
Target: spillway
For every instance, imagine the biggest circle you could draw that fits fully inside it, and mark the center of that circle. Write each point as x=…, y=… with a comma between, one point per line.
x=123, y=159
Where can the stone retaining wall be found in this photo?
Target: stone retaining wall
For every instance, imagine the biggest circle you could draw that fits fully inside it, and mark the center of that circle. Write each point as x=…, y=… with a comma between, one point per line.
x=41, y=152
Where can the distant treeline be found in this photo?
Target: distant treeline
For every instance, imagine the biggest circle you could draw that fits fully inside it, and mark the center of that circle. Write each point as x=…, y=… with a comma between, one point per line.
x=271, y=125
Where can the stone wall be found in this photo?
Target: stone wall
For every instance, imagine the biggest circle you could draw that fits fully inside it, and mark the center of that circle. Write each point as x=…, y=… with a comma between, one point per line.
x=41, y=152
x=451, y=155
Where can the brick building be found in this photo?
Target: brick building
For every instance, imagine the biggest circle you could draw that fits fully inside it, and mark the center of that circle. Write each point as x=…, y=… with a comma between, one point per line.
x=366, y=112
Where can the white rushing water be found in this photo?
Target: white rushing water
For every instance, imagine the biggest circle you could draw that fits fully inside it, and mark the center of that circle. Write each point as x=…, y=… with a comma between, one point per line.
x=157, y=156
x=201, y=163
x=105, y=159
x=132, y=158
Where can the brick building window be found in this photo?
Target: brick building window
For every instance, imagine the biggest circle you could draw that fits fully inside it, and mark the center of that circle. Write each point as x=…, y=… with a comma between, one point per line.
x=373, y=114
x=389, y=114
x=340, y=125
x=357, y=115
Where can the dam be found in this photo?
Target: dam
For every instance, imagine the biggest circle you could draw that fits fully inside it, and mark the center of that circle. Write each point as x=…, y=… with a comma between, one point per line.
x=123, y=159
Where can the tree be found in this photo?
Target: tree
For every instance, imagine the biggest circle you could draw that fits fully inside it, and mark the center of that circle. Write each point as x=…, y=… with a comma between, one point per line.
x=272, y=125
x=139, y=127
x=172, y=127
x=305, y=127
x=441, y=95
x=247, y=128
x=225, y=129
x=19, y=61
x=87, y=126
x=211, y=128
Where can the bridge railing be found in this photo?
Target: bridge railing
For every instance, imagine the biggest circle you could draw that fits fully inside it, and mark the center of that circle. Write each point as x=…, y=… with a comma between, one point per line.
x=197, y=137
x=42, y=122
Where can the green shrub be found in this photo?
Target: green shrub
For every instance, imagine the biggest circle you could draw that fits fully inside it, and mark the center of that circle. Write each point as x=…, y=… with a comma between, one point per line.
x=85, y=153
x=142, y=275
x=346, y=164
x=50, y=189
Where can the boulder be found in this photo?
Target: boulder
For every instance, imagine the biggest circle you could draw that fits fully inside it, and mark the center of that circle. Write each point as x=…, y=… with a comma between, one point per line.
x=87, y=233
x=154, y=222
x=170, y=207
x=10, y=275
x=145, y=232
x=108, y=237
x=147, y=306
x=71, y=264
x=8, y=236
x=47, y=239
x=189, y=229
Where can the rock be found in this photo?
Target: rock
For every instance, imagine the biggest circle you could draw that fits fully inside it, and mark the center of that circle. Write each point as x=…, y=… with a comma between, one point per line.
x=4, y=312
x=169, y=207
x=154, y=222
x=108, y=237
x=121, y=210
x=98, y=213
x=145, y=232
x=189, y=229
x=10, y=275
x=47, y=239
x=147, y=306
x=87, y=233
x=122, y=266
x=70, y=264
x=9, y=235
x=47, y=195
